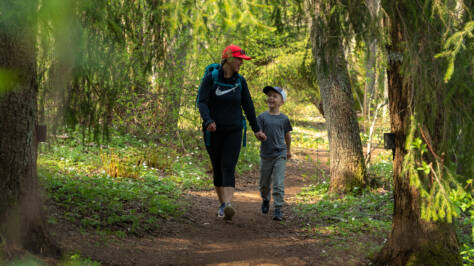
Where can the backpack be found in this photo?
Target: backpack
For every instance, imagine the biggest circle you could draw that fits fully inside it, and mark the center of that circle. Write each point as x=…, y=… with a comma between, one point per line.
x=214, y=70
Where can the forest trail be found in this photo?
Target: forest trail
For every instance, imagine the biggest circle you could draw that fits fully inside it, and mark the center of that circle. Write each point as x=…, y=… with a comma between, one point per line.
x=199, y=237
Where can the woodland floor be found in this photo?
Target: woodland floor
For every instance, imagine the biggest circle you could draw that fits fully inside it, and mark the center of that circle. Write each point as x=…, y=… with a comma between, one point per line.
x=199, y=237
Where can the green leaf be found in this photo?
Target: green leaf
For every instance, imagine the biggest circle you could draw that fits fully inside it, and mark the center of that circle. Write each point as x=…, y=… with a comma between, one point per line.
x=450, y=70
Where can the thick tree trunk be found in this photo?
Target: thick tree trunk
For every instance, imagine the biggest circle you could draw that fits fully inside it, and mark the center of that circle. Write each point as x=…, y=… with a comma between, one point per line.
x=347, y=168
x=412, y=241
x=21, y=221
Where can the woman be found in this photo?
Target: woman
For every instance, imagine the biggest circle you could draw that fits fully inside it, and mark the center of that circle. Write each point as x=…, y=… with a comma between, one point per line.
x=220, y=105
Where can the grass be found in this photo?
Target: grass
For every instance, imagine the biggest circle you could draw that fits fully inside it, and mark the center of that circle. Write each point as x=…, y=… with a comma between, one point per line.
x=345, y=217
x=126, y=187
x=32, y=260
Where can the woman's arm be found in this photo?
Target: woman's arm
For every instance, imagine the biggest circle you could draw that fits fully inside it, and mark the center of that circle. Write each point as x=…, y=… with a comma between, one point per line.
x=204, y=99
x=247, y=105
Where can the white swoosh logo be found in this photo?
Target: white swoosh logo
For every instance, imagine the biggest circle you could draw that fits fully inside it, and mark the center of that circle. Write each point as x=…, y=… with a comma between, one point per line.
x=219, y=92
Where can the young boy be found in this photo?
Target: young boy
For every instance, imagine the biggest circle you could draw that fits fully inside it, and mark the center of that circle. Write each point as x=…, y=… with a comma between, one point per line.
x=274, y=151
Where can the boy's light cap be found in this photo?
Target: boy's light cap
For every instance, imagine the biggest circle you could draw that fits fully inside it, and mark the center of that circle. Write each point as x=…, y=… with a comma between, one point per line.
x=281, y=91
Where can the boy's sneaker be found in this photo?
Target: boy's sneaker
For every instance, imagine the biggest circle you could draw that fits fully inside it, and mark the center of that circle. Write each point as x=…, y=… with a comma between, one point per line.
x=277, y=216
x=220, y=211
x=228, y=211
x=265, y=206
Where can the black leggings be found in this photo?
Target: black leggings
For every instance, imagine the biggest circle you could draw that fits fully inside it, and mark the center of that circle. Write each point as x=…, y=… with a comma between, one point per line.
x=224, y=153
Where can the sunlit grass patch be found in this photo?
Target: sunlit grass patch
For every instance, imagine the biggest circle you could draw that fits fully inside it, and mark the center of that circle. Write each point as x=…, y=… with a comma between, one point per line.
x=309, y=137
x=343, y=217
x=128, y=205
x=365, y=211
x=77, y=260
x=120, y=187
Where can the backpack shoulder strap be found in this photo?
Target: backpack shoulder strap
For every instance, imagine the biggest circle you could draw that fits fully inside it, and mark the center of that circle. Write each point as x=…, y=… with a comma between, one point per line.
x=239, y=80
x=215, y=75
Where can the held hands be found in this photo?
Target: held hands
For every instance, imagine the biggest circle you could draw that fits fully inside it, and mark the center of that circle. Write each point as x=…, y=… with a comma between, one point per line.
x=288, y=155
x=211, y=127
x=261, y=136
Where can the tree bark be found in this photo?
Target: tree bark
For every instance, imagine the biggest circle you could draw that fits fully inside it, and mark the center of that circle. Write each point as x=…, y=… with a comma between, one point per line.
x=412, y=241
x=371, y=62
x=347, y=168
x=21, y=215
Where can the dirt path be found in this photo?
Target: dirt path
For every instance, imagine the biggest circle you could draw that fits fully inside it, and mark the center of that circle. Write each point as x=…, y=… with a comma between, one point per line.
x=201, y=238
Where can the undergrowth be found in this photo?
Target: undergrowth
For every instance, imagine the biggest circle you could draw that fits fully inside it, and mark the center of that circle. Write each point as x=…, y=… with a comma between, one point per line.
x=128, y=186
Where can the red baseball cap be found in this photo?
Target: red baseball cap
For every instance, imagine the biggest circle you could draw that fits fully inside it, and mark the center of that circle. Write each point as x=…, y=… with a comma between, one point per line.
x=234, y=51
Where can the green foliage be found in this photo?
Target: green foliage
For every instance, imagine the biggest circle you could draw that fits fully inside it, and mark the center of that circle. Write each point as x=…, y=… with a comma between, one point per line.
x=129, y=186
x=467, y=254
x=436, y=54
x=455, y=44
x=76, y=260
x=31, y=260
x=120, y=205
x=439, y=188
x=344, y=217
x=113, y=188
x=26, y=260
x=464, y=206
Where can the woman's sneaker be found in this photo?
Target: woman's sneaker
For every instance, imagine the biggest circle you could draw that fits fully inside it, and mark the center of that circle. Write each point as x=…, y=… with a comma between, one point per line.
x=265, y=206
x=220, y=211
x=228, y=211
x=277, y=216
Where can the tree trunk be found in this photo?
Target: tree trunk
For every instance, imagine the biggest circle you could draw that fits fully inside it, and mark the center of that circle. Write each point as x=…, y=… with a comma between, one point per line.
x=21, y=219
x=347, y=168
x=371, y=62
x=412, y=241
x=175, y=72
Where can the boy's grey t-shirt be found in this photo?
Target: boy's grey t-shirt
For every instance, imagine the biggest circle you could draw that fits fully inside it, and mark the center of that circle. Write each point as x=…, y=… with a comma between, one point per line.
x=275, y=127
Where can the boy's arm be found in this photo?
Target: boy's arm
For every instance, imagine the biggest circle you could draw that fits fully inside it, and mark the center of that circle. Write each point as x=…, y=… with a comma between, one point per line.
x=260, y=135
x=288, y=144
